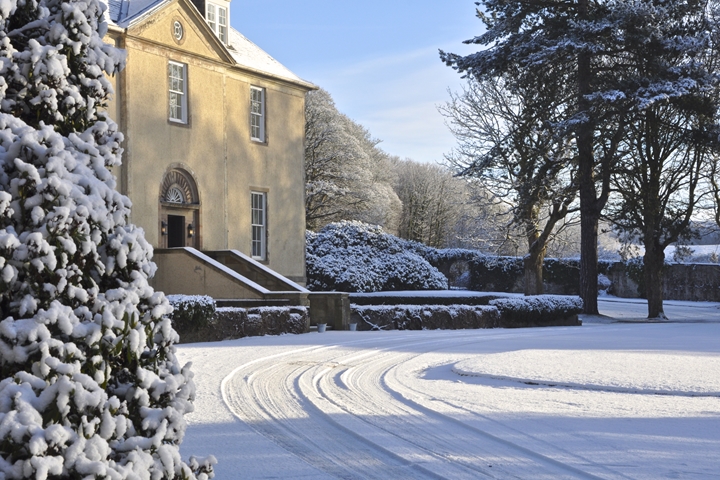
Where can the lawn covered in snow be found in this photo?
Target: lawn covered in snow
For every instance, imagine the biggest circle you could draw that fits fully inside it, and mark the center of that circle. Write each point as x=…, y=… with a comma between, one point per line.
x=607, y=400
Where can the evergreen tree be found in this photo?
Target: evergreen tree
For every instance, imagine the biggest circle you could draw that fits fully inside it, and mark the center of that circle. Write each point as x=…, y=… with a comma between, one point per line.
x=89, y=383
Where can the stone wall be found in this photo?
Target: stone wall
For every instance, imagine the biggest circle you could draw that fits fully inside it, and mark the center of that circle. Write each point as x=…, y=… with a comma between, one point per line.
x=693, y=282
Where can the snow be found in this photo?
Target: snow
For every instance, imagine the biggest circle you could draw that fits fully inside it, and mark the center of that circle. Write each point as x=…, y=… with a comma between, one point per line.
x=651, y=373
x=352, y=256
x=393, y=404
x=249, y=55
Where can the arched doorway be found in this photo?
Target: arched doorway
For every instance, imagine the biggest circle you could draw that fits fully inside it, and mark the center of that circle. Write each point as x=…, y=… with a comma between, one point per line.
x=179, y=210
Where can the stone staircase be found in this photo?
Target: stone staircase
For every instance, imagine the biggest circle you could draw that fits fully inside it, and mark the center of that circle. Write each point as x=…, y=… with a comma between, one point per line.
x=236, y=280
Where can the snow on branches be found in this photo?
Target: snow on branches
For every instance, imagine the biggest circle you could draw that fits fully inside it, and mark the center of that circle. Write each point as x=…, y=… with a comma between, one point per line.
x=353, y=256
x=89, y=383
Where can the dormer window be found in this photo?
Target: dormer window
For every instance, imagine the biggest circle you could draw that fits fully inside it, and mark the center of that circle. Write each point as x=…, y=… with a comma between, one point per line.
x=217, y=18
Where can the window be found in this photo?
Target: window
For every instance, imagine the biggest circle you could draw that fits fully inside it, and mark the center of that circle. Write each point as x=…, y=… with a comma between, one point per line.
x=217, y=16
x=257, y=114
x=259, y=217
x=222, y=24
x=177, y=81
x=210, y=16
x=175, y=195
x=178, y=30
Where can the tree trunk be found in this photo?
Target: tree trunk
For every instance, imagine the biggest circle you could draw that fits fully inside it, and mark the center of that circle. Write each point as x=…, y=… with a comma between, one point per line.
x=588, y=260
x=533, y=263
x=654, y=260
x=589, y=211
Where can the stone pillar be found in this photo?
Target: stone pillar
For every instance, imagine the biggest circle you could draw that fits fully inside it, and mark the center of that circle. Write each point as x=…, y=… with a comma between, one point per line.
x=332, y=308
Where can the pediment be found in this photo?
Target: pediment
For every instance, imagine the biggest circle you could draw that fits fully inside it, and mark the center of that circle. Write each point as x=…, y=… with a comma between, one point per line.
x=178, y=25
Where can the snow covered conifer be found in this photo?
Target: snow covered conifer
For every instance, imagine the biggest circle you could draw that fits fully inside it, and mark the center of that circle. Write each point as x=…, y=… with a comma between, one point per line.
x=89, y=383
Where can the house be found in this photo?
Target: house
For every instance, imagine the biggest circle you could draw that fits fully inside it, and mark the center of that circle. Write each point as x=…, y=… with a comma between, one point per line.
x=214, y=148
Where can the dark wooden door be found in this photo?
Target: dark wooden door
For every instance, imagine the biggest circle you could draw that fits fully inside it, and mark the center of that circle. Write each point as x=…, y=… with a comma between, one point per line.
x=176, y=231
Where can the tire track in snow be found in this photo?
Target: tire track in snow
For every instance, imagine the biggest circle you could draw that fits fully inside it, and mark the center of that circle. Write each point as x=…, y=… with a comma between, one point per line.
x=336, y=408
x=264, y=394
x=447, y=437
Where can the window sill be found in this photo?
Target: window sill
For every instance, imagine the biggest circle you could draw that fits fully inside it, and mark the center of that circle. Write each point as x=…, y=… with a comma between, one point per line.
x=179, y=123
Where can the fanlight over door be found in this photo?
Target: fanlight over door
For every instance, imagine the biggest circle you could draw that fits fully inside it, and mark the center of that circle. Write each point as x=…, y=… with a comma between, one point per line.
x=179, y=210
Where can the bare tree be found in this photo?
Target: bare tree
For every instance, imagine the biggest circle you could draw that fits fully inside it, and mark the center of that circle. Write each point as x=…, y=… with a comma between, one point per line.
x=589, y=46
x=346, y=174
x=383, y=206
x=672, y=135
x=432, y=201
x=659, y=184
x=504, y=140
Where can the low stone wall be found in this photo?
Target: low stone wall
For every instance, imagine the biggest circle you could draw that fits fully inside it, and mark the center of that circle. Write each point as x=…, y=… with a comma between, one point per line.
x=232, y=322
x=696, y=282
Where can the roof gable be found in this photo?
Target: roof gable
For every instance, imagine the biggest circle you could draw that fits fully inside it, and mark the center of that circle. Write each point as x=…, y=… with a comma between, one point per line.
x=156, y=23
x=153, y=20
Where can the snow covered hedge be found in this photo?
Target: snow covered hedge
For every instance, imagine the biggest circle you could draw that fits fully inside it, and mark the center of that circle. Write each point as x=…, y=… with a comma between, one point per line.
x=424, y=317
x=510, y=312
x=232, y=322
x=357, y=257
x=538, y=310
x=505, y=274
x=191, y=312
x=90, y=386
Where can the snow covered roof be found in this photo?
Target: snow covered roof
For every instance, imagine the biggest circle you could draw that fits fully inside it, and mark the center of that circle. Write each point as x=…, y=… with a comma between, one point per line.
x=247, y=54
x=125, y=13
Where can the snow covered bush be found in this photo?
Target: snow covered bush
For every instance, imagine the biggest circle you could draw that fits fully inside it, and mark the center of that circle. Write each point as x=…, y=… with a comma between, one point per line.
x=191, y=312
x=424, y=317
x=235, y=322
x=538, y=310
x=496, y=273
x=357, y=257
x=89, y=383
x=505, y=274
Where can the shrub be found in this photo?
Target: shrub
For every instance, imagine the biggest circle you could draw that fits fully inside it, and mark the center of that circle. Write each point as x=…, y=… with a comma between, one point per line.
x=191, y=312
x=425, y=317
x=357, y=257
x=495, y=274
x=505, y=274
x=227, y=323
x=537, y=310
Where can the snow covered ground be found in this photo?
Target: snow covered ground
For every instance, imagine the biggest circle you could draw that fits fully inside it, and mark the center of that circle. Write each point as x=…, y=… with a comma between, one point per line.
x=605, y=400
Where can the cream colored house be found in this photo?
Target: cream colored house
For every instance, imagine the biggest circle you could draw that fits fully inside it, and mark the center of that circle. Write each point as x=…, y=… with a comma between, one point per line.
x=214, y=131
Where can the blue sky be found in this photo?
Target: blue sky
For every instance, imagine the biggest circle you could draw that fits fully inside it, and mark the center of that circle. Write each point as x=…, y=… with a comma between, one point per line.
x=378, y=59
